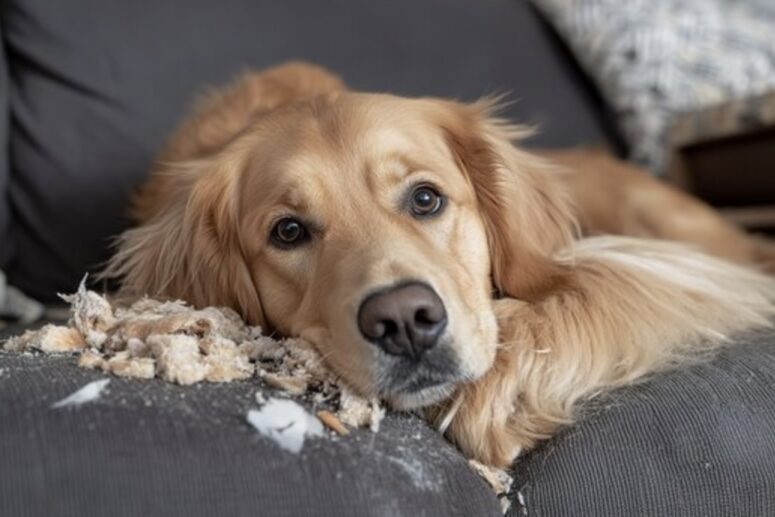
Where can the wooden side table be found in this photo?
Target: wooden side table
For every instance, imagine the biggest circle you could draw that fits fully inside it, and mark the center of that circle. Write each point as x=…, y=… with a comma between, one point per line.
x=725, y=155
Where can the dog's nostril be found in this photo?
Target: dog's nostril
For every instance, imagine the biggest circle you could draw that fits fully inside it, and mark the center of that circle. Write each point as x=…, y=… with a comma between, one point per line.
x=403, y=320
x=427, y=317
x=387, y=328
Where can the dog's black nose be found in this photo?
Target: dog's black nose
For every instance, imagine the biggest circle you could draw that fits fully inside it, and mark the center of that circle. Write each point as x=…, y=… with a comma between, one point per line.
x=403, y=320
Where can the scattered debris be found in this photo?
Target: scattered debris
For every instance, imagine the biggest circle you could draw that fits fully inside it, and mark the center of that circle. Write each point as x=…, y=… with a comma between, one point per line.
x=172, y=341
x=332, y=422
x=521, y=501
x=293, y=385
x=88, y=393
x=356, y=411
x=498, y=479
x=418, y=472
x=285, y=422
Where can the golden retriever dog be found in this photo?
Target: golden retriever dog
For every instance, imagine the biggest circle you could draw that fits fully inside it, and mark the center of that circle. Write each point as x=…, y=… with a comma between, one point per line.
x=431, y=261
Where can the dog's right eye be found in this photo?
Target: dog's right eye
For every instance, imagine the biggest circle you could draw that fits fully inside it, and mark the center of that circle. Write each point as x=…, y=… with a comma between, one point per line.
x=425, y=201
x=288, y=232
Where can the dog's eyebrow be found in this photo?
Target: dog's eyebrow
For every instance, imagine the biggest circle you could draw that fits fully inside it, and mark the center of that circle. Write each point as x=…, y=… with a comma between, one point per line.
x=397, y=166
x=294, y=198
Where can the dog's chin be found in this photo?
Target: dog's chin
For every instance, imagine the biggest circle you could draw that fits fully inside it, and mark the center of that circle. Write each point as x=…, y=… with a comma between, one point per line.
x=421, y=398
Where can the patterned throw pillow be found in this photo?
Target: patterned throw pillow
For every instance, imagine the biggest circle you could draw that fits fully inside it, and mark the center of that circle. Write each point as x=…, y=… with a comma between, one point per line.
x=654, y=59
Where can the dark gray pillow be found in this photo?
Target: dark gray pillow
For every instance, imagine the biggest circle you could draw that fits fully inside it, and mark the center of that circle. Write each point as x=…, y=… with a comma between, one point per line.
x=97, y=84
x=6, y=248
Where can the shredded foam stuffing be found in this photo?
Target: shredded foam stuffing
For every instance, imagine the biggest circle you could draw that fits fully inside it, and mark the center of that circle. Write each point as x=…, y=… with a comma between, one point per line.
x=182, y=345
x=179, y=344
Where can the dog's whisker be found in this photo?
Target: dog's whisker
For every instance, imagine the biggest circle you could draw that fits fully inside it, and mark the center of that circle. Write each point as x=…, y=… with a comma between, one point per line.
x=450, y=414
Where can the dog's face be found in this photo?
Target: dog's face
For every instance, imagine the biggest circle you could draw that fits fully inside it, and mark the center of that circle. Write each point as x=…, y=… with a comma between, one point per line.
x=376, y=227
x=363, y=235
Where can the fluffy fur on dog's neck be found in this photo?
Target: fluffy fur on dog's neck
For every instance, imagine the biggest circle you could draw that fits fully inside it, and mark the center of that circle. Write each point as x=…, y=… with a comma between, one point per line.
x=632, y=307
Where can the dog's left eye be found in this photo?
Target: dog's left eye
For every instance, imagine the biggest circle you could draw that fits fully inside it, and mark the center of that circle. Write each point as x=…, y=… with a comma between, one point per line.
x=289, y=232
x=426, y=201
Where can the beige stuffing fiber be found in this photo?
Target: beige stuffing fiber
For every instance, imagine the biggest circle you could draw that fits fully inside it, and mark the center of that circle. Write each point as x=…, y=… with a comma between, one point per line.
x=182, y=345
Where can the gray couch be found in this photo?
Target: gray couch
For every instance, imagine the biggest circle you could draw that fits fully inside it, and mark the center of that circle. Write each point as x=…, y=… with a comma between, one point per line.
x=88, y=90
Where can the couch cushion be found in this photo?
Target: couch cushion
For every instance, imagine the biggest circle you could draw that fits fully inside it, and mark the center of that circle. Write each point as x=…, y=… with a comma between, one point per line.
x=6, y=246
x=698, y=441
x=97, y=84
x=153, y=448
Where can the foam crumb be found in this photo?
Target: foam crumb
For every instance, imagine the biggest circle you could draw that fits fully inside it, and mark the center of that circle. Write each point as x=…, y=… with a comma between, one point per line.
x=505, y=504
x=123, y=365
x=91, y=359
x=332, y=422
x=356, y=411
x=499, y=480
x=88, y=393
x=179, y=344
x=521, y=501
x=293, y=385
x=179, y=358
x=49, y=339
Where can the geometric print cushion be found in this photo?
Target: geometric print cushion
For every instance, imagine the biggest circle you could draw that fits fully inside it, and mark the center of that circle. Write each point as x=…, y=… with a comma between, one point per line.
x=655, y=59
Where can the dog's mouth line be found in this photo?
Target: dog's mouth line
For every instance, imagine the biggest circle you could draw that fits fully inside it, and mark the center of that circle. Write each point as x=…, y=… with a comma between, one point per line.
x=422, y=381
x=439, y=367
x=421, y=398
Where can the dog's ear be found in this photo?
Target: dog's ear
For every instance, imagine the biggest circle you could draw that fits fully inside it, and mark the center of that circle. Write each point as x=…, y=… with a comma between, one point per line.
x=526, y=212
x=220, y=116
x=192, y=250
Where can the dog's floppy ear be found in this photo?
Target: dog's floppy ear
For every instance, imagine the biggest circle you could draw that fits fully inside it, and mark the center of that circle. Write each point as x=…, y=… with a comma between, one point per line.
x=527, y=215
x=192, y=249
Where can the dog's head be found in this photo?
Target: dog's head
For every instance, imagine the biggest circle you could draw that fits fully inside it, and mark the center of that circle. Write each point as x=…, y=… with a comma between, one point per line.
x=378, y=228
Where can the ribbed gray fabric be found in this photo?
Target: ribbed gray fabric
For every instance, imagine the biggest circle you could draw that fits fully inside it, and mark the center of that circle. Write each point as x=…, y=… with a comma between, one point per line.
x=151, y=448
x=695, y=442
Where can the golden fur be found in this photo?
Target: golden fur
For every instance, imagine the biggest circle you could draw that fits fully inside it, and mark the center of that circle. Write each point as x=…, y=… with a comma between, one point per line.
x=539, y=318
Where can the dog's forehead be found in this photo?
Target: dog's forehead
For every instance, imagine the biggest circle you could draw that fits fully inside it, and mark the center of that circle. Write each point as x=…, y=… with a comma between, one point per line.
x=358, y=133
x=395, y=124
x=355, y=146
x=391, y=135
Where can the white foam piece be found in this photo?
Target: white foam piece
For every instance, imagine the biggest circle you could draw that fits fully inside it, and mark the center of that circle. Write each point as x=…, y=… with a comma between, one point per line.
x=285, y=422
x=88, y=393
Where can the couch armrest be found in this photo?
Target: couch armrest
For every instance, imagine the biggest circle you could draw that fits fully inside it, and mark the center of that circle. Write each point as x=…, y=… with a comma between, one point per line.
x=698, y=441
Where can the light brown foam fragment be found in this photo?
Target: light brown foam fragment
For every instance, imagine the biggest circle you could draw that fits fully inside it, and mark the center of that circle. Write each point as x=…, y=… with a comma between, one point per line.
x=49, y=339
x=332, y=422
